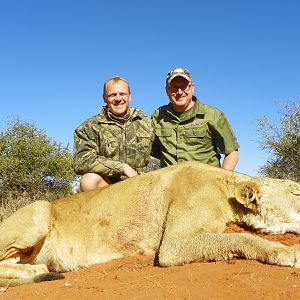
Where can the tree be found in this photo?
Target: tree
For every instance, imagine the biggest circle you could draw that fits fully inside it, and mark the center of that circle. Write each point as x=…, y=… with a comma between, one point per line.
x=32, y=163
x=282, y=141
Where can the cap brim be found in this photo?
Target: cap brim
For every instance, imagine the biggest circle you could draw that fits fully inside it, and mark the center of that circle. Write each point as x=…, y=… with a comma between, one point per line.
x=179, y=75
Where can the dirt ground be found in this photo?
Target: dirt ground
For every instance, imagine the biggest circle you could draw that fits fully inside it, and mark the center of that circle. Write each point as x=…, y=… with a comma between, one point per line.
x=137, y=278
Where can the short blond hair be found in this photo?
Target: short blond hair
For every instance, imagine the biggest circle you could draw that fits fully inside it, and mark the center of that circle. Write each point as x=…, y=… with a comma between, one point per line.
x=115, y=79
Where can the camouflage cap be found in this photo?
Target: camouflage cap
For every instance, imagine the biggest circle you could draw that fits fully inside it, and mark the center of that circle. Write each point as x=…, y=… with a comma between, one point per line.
x=178, y=72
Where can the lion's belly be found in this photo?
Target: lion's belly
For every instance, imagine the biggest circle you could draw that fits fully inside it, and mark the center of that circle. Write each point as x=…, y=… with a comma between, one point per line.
x=71, y=246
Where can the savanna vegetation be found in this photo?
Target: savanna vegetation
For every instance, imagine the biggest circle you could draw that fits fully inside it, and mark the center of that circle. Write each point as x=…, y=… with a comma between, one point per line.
x=282, y=141
x=32, y=167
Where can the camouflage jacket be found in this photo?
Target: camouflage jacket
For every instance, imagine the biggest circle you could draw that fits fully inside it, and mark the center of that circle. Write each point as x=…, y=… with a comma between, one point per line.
x=102, y=144
x=202, y=133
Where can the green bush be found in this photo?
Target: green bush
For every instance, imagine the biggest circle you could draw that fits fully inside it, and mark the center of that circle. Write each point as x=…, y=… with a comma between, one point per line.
x=282, y=141
x=32, y=164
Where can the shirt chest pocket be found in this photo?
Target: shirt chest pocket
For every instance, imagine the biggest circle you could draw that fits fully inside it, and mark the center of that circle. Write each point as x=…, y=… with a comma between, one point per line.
x=195, y=136
x=111, y=147
x=144, y=142
x=165, y=136
x=143, y=135
x=163, y=133
x=195, y=132
x=110, y=141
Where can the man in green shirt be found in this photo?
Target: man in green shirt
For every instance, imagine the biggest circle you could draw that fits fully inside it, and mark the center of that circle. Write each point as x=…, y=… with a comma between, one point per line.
x=186, y=129
x=116, y=143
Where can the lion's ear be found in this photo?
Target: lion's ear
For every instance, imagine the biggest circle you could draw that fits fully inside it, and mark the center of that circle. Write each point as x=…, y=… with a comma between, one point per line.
x=248, y=193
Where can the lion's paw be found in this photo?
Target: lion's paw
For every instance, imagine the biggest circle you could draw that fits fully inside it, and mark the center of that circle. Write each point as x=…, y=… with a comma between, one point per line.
x=296, y=249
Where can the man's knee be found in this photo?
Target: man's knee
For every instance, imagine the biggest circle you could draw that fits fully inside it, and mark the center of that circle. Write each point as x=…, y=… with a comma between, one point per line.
x=91, y=181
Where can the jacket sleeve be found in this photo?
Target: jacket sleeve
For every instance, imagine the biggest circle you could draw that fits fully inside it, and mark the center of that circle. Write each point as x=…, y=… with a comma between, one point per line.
x=87, y=156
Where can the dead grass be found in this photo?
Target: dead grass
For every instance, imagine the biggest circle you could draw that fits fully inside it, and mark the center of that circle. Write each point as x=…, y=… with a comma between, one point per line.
x=11, y=203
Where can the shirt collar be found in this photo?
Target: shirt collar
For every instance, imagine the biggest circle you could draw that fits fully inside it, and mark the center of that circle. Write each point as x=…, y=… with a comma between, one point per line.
x=196, y=109
x=105, y=116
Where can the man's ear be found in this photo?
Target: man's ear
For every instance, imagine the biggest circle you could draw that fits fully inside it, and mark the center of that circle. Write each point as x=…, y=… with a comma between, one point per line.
x=248, y=193
x=167, y=89
x=192, y=87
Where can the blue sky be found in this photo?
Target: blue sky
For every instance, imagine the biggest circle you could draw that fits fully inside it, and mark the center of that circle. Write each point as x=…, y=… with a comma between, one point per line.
x=55, y=55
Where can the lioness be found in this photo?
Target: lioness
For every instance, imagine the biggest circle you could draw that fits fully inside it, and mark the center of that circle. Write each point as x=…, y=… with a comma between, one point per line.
x=178, y=212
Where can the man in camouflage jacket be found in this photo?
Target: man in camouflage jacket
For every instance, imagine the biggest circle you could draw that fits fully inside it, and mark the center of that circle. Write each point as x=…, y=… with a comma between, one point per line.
x=116, y=143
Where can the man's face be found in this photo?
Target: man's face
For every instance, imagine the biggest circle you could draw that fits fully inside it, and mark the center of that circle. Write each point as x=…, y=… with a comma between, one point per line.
x=117, y=97
x=180, y=92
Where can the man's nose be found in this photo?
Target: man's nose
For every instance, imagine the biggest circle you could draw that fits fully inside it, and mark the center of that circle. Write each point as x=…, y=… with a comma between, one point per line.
x=179, y=91
x=118, y=97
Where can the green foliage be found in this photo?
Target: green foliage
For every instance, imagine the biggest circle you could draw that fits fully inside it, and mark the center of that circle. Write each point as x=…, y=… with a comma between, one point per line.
x=282, y=141
x=33, y=164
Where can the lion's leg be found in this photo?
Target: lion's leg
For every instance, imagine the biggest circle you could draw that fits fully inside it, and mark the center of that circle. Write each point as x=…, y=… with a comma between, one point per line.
x=21, y=237
x=194, y=232
x=24, y=231
x=215, y=246
x=17, y=274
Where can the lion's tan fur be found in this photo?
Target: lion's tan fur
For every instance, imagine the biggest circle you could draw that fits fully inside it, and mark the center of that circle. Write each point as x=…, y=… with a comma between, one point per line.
x=179, y=213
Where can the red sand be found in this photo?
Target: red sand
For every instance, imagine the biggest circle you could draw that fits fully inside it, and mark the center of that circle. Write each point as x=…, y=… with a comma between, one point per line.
x=137, y=278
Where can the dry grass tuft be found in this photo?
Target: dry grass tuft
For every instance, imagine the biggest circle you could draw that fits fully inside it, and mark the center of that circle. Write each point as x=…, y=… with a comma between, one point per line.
x=11, y=203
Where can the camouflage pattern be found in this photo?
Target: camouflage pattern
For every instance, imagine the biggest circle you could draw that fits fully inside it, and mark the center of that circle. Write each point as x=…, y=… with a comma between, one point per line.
x=102, y=144
x=202, y=133
x=178, y=72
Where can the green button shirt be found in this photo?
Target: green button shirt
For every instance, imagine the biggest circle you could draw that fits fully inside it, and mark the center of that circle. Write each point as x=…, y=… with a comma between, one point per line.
x=202, y=133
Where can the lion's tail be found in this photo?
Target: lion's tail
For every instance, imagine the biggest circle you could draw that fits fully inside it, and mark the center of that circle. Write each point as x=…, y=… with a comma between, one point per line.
x=7, y=282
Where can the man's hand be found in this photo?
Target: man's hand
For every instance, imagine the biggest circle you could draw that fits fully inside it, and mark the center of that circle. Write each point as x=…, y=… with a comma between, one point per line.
x=129, y=172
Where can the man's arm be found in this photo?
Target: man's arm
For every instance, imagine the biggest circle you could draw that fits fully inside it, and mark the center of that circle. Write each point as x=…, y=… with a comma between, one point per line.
x=87, y=158
x=231, y=160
